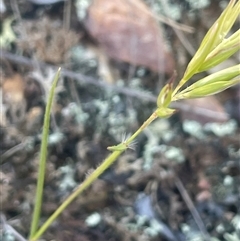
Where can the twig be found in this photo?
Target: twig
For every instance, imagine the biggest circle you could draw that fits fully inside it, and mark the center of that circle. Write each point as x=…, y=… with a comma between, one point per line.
x=192, y=208
x=87, y=80
x=9, y=228
x=17, y=15
x=6, y=155
x=67, y=14
x=184, y=41
x=164, y=19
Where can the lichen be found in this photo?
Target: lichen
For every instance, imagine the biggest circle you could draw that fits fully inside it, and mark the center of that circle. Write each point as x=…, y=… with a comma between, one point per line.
x=81, y=7
x=198, y=4
x=93, y=220
x=7, y=35
x=67, y=182
x=221, y=130
x=193, y=128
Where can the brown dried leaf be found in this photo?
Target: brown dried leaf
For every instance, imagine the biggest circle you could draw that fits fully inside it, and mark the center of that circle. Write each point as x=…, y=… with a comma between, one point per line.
x=204, y=110
x=34, y=120
x=13, y=97
x=47, y=39
x=127, y=31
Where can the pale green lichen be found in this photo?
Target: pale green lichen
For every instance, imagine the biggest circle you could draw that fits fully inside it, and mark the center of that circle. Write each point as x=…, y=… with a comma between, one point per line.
x=220, y=192
x=174, y=11
x=135, y=83
x=193, y=128
x=198, y=4
x=67, y=182
x=228, y=181
x=170, y=152
x=154, y=228
x=93, y=220
x=141, y=220
x=220, y=130
x=190, y=234
x=174, y=154
x=119, y=124
x=140, y=72
x=149, y=227
x=150, y=148
x=81, y=8
x=231, y=237
x=236, y=223
x=29, y=144
x=55, y=138
x=84, y=58
x=102, y=106
x=7, y=236
x=233, y=153
x=74, y=110
x=220, y=228
x=223, y=4
x=7, y=35
x=160, y=130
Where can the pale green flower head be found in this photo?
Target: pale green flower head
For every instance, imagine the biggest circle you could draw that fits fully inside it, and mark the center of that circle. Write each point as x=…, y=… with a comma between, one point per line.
x=223, y=51
x=214, y=47
x=165, y=96
x=212, y=84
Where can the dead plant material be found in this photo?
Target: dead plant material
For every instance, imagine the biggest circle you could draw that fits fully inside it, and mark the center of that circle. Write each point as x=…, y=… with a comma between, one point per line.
x=47, y=39
x=13, y=97
x=34, y=120
x=126, y=32
x=6, y=187
x=99, y=189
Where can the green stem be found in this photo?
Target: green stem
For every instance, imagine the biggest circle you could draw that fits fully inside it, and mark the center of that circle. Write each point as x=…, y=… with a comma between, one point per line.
x=90, y=179
x=178, y=87
x=43, y=157
x=142, y=127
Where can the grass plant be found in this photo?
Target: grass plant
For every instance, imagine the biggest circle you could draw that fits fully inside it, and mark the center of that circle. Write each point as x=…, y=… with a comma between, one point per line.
x=214, y=49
